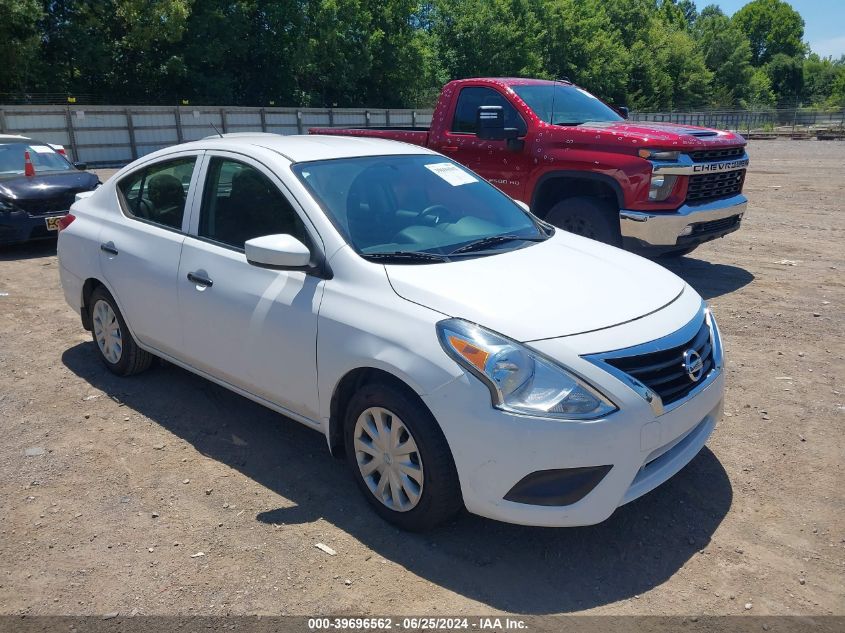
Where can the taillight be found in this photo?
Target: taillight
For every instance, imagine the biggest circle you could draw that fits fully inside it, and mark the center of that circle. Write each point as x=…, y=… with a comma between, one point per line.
x=65, y=221
x=62, y=151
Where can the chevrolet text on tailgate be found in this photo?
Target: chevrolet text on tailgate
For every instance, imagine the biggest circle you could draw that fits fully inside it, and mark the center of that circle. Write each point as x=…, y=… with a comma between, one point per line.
x=458, y=351
x=654, y=188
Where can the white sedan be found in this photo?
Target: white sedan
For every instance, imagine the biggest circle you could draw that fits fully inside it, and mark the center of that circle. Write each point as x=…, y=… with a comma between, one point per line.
x=457, y=350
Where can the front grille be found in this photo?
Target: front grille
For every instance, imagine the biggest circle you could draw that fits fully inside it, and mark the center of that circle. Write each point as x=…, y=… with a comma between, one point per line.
x=663, y=372
x=715, y=225
x=718, y=185
x=46, y=205
x=724, y=153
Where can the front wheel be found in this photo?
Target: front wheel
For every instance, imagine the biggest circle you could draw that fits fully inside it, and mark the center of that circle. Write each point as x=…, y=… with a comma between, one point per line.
x=589, y=217
x=117, y=349
x=400, y=458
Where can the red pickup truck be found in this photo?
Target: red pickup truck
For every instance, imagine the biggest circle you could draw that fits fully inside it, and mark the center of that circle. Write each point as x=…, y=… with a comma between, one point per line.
x=655, y=188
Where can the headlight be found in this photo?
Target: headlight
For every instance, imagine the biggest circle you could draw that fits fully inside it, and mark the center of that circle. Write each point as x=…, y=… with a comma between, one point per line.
x=661, y=186
x=653, y=154
x=520, y=380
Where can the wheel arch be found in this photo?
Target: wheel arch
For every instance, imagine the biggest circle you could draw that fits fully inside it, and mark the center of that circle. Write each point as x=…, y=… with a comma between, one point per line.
x=346, y=387
x=555, y=186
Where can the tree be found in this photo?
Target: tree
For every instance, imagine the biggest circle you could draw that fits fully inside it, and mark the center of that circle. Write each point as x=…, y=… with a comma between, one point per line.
x=760, y=92
x=772, y=27
x=727, y=54
x=18, y=41
x=787, y=76
x=489, y=37
x=581, y=43
x=820, y=78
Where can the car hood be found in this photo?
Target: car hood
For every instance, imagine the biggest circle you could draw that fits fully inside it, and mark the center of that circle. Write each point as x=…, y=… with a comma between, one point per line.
x=565, y=285
x=46, y=185
x=670, y=134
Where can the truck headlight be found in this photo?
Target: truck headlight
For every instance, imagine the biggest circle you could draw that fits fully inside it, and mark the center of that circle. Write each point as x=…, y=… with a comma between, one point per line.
x=519, y=379
x=654, y=154
x=661, y=186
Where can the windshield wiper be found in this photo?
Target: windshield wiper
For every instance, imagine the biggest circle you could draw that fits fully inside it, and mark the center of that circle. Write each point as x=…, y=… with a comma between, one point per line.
x=492, y=240
x=410, y=256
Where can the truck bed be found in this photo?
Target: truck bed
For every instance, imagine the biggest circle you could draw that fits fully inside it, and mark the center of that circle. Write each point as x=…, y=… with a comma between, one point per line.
x=413, y=135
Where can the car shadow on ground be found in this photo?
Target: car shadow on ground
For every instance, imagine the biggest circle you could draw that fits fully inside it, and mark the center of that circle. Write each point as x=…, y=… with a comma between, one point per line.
x=709, y=280
x=508, y=567
x=27, y=250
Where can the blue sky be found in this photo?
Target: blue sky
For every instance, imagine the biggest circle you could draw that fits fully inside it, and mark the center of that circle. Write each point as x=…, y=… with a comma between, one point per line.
x=824, y=22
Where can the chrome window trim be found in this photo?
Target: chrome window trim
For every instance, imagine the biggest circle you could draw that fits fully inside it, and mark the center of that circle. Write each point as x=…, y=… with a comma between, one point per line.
x=675, y=339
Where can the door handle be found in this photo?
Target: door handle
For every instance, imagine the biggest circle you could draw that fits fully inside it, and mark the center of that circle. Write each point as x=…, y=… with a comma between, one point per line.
x=449, y=148
x=108, y=248
x=200, y=280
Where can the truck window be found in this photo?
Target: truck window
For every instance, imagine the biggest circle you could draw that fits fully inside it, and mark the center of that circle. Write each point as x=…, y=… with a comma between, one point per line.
x=466, y=111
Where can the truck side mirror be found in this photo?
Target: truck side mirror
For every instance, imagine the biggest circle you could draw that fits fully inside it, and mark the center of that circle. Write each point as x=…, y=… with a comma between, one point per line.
x=623, y=111
x=490, y=124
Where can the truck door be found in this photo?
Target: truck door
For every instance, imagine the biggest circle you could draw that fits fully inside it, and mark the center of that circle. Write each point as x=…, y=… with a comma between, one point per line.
x=506, y=168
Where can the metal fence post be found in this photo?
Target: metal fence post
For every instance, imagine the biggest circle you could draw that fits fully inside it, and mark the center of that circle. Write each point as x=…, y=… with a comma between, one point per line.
x=298, y=122
x=179, y=136
x=366, y=118
x=263, y=116
x=331, y=117
x=71, y=134
x=2, y=121
x=223, y=123
x=130, y=127
x=413, y=118
x=387, y=117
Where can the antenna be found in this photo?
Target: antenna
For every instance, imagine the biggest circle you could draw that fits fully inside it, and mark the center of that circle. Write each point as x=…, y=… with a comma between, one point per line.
x=216, y=130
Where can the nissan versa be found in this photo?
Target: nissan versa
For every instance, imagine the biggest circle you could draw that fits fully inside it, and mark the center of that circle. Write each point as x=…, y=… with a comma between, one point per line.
x=457, y=350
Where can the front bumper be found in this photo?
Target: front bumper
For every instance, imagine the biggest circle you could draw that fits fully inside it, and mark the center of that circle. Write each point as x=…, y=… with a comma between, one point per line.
x=649, y=230
x=494, y=451
x=20, y=226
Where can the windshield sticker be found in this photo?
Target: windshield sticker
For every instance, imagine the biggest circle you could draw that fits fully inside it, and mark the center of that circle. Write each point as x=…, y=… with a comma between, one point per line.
x=41, y=149
x=451, y=174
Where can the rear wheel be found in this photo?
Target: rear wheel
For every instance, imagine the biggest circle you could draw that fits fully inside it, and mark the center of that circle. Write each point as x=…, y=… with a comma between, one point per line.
x=115, y=345
x=590, y=217
x=400, y=458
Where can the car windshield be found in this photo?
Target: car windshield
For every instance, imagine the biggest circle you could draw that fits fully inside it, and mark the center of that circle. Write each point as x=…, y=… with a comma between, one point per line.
x=417, y=208
x=565, y=104
x=43, y=157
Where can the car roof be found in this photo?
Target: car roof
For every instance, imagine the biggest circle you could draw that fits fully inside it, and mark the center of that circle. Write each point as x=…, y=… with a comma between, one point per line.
x=301, y=148
x=13, y=137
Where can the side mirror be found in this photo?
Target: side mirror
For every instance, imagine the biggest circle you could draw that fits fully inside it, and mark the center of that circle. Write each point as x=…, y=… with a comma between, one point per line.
x=623, y=111
x=277, y=251
x=524, y=206
x=490, y=124
x=81, y=166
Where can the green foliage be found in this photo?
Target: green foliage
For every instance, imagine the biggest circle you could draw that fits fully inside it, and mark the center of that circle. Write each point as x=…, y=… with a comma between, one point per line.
x=18, y=41
x=648, y=54
x=772, y=27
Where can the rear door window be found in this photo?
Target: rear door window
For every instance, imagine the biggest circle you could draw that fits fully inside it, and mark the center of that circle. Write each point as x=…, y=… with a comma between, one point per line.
x=158, y=193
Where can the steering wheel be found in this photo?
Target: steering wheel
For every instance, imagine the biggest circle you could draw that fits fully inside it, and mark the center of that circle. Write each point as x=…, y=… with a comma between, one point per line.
x=437, y=213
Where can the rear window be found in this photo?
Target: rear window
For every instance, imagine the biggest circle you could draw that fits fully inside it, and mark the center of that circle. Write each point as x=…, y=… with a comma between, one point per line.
x=43, y=157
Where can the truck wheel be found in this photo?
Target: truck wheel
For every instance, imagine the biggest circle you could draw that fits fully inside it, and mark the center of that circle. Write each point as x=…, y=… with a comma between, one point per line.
x=591, y=217
x=115, y=345
x=400, y=459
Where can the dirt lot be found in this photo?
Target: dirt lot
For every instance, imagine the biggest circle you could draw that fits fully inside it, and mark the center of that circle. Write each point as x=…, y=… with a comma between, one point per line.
x=110, y=488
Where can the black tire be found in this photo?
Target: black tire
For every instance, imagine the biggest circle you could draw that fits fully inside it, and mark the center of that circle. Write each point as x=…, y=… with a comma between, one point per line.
x=132, y=359
x=590, y=217
x=680, y=252
x=440, y=498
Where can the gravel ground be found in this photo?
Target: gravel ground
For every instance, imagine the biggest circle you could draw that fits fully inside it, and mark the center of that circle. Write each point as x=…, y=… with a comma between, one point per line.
x=165, y=494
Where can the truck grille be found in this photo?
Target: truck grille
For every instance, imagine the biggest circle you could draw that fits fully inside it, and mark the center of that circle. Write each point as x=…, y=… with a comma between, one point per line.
x=663, y=372
x=718, y=185
x=45, y=206
x=723, y=153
